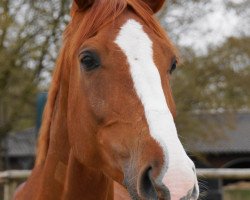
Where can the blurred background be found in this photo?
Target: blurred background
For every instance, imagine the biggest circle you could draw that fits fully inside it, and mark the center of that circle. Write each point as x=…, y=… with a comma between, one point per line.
x=210, y=86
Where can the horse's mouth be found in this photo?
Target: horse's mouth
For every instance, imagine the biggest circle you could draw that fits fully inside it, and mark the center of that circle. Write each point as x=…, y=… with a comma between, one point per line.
x=161, y=193
x=148, y=189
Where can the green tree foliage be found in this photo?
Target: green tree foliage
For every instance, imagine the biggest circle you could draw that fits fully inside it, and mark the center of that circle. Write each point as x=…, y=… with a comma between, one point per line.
x=29, y=34
x=217, y=82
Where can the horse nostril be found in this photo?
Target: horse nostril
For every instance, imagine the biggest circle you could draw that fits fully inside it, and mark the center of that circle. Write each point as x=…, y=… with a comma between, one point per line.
x=146, y=187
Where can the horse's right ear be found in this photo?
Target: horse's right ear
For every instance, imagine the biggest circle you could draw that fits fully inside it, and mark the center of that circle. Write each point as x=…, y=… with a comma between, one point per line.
x=84, y=4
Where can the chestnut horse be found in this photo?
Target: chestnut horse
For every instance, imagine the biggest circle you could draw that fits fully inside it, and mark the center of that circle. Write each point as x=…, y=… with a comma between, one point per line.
x=108, y=130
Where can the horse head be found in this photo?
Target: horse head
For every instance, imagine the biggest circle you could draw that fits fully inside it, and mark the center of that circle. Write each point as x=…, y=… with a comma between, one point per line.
x=120, y=107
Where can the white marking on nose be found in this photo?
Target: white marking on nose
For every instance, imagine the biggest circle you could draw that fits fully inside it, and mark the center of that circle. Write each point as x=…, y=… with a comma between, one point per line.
x=138, y=48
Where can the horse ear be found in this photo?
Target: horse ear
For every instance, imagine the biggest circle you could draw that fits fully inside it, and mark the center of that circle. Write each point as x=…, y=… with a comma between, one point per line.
x=155, y=5
x=84, y=4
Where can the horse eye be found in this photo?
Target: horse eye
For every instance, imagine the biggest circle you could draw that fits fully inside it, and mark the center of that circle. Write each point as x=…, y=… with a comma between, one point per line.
x=89, y=60
x=173, y=67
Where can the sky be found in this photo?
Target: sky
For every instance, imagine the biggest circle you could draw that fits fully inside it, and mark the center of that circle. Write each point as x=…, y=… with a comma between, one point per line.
x=211, y=28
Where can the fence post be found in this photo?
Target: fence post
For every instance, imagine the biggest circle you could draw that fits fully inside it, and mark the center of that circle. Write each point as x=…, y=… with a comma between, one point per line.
x=9, y=189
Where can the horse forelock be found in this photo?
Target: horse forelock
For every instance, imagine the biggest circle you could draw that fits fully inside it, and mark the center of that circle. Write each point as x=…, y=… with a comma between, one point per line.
x=86, y=23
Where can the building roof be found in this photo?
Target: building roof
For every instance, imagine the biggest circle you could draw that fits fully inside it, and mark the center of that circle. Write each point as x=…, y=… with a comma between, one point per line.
x=20, y=144
x=234, y=139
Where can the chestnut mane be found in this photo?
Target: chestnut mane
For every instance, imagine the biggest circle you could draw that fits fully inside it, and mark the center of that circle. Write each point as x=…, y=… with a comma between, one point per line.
x=85, y=24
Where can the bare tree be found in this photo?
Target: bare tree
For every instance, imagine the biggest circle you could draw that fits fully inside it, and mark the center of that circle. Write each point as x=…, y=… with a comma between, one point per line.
x=29, y=41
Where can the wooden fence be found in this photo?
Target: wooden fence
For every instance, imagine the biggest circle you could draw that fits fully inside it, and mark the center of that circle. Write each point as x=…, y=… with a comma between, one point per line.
x=10, y=179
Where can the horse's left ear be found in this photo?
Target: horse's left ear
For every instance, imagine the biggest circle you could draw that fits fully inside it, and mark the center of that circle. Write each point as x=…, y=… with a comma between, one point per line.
x=84, y=4
x=155, y=5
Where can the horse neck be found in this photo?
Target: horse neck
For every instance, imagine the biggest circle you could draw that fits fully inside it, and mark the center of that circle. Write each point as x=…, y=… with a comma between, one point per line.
x=85, y=183
x=61, y=176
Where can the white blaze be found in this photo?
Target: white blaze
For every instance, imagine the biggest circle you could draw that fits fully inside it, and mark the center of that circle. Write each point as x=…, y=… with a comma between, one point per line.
x=138, y=48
